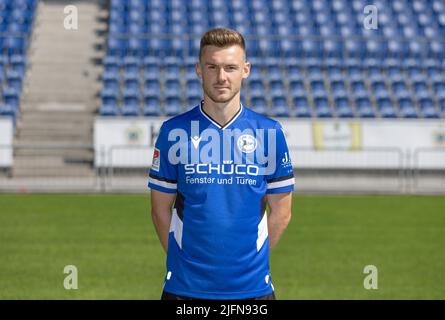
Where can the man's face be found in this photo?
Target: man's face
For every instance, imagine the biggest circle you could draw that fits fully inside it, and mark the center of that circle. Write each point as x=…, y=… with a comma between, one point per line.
x=222, y=71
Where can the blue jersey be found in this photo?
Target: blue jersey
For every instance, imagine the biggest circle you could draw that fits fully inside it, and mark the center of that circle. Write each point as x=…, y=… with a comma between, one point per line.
x=218, y=242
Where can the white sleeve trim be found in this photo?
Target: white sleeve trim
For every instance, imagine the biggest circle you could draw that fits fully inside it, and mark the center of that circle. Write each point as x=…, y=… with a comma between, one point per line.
x=164, y=184
x=280, y=184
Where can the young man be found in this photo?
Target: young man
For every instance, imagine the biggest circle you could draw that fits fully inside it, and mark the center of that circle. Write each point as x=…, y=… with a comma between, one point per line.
x=219, y=165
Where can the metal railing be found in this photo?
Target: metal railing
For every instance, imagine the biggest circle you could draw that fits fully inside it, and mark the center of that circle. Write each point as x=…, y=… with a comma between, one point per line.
x=429, y=170
x=335, y=169
x=120, y=175
x=124, y=168
x=53, y=168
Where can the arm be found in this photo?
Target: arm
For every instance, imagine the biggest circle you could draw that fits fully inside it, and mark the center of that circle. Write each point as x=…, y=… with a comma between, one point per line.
x=280, y=214
x=161, y=213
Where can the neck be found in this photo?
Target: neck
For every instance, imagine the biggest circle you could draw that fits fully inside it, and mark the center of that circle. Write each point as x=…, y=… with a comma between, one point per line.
x=221, y=112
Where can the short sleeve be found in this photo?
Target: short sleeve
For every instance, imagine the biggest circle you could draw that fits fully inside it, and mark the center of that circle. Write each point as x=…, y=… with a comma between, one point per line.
x=282, y=179
x=163, y=174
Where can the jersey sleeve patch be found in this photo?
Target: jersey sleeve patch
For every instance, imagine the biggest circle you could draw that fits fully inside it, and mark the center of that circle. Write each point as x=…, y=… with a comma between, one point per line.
x=156, y=162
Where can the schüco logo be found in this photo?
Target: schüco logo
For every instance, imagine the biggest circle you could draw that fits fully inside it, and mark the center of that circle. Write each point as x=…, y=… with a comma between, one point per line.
x=224, y=169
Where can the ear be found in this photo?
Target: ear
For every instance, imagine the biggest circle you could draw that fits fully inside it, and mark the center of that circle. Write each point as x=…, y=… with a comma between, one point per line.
x=246, y=70
x=198, y=70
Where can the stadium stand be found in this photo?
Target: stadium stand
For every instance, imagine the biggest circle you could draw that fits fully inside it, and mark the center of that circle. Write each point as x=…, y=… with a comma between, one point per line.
x=16, y=23
x=310, y=58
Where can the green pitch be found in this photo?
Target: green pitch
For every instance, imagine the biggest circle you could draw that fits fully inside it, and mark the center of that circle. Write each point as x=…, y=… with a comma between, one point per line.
x=112, y=242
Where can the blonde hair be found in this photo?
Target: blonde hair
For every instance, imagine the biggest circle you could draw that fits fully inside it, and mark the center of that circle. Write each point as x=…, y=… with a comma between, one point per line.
x=222, y=38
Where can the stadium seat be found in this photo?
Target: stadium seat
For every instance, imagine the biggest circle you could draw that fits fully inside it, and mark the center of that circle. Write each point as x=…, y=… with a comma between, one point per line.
x=277, y=88
x=256, y=88
x=109, y=110
x=151, y=106
x=364, y=108
x=8, y=110
x=172, y=106
x=427, y=108
x=386, y=108
x=407, y=109
x=279, y=107
x=295, y=47
x=344, y=112
x=259, y=105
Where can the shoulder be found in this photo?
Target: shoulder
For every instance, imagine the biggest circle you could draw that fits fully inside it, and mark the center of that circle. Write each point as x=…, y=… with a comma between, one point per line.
x=262, y=120
x=180, y=120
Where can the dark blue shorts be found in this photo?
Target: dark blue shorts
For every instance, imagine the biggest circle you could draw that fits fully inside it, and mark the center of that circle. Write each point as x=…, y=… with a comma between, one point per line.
x=171, y=296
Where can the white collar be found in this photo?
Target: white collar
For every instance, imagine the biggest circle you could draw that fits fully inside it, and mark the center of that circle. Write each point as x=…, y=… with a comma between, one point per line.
x=216, y=123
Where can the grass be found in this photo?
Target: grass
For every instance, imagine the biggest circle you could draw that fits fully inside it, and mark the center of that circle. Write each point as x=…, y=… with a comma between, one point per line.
x=112, y=242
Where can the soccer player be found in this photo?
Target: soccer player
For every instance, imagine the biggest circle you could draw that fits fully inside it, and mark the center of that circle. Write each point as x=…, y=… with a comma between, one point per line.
x=215, y=170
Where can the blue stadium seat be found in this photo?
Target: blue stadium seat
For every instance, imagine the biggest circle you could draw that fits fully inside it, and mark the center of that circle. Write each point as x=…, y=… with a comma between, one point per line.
x=335, y=73
x=273, y=72
x=8, y=110
x=333, y=48
x=311, y=48
x=297, y=88
x=109, y=97
x=294, y=73
x=338, y=88
x=193, y=88
x=442, y=106
x=437, y=48
x=117, y=46
x=131, y=64
x=318, y=88
x=172, y=71
x=427, y=108
x=421, y=89
x=289, y=48
x=151, y=106
x=343, y=108
x=439, y=88
x=355, y=48
x=288, y=42
x=395, y=73
x=193, y=100
x=322, y=108
x=359, y=88
x=255, y=73
x=172, y=106
x=386, y=108
x=172, y=88
x=14, y=80
x=277, y=88
x=364, y=107
x=259, y=105
x=315, y=73
x=379, y=89
x=400, y=89
x=397, y=48
x=302, y=111
x=279, y=107
x=406, y=107
x=152, y=88
x=130, y=110
x=256, y=88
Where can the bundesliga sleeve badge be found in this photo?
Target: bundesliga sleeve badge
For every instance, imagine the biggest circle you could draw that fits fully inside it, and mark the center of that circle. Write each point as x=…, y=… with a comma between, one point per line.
x=156, y=160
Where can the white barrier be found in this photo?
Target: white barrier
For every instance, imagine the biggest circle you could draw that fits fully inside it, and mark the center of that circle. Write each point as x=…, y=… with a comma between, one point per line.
x=343, y=135
x=6, y=135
